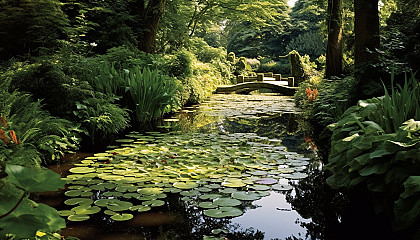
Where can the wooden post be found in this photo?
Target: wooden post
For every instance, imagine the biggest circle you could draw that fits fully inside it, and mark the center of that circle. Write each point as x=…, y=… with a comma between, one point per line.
x=240, y=79
x=277, y=77
x=291, y=81
x=269, y=74
x=260, y=77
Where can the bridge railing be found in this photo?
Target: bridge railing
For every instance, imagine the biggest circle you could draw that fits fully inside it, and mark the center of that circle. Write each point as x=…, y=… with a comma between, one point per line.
x=266, y=77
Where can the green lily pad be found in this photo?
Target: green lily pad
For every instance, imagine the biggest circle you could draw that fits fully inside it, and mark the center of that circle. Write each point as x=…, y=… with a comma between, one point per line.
x=82, y=170
x=122, y=217
x=185, y=185
x=86, y=209
x=79, y=192
x=210, y=196
x=250, y=196
x=78, y=218
x=266, y=181
x=223, y=212
x=190, y=193
x=233, y=183
x=150, y=191
x=109, y=212
x=140, y=208
x=260, y=187
x=80, y=201
x=226, y=202
x=207, y=205
x=228, y=190
x=65, y=213
x=113, y=194
x=154, y=203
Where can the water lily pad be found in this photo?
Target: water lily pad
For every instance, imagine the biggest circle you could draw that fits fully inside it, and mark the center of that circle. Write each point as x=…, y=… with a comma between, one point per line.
x=78, y=218
x=266, y=181
x=154, y=203
x=210, y=196
x=185, y=185
x=190, y=193
x=122, y=217
x=82, y=170
x=150, y=191
x=207, y=205
x=250, y=196
x=228, y=190
x=259, y=187
x=109, y=212
x=233, y=183
x=65, y=213
x=140, y=208
x=226, y=202
x=223, y=212
x=86, y=209
x=80, y=201
x=79, y=192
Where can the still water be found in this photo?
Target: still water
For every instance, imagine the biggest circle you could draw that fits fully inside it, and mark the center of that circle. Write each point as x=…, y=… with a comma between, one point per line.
x=233, y=129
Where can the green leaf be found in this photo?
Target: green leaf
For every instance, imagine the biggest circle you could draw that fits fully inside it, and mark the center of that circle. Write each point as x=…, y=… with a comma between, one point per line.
x=32, y=181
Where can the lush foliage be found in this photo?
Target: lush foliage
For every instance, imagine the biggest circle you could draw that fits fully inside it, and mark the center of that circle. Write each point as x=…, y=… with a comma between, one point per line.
x=21, y=217
x=369, y=152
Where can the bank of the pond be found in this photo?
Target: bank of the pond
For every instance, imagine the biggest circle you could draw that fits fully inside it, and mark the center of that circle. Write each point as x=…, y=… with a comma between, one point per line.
x=225, y=168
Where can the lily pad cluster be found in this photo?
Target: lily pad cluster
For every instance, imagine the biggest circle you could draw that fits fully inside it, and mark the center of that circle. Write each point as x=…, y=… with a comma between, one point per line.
x=219, y=173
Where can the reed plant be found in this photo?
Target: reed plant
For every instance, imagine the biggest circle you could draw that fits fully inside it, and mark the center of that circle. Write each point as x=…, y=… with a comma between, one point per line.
x=105, y=78
x=401, y=104
x=152, y=94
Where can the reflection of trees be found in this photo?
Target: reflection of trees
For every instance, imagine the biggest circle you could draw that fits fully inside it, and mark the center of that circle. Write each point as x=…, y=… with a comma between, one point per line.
x=194, y=224
x=313, y=199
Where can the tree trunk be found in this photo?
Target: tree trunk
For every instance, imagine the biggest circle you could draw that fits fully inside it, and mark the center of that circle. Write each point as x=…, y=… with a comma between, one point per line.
x=366, y=41
x=366, y=30
x=149, y=17
x=334, y=57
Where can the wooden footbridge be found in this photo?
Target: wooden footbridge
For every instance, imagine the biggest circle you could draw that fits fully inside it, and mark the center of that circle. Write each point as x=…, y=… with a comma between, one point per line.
x=275, y=82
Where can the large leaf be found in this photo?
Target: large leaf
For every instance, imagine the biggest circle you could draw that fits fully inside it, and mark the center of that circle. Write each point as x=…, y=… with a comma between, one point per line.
x=32, y=181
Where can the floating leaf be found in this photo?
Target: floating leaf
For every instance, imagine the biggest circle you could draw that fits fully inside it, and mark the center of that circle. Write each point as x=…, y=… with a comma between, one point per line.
x=80, y=201
x=86, y=209
x=154, y=203
x=226, y=202
x=78, y=218
x=140, y=208
x=208, y=205
x=266, y=181
x=250, y=196
x=82, y=170
x=223, y=212
x=122, y=217
x=185, y=185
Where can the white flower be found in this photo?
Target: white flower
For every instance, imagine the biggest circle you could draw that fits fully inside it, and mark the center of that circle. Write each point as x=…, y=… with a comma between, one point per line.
x=93, y=44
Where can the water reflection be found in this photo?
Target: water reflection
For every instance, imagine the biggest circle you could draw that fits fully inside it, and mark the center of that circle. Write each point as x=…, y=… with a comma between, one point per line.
x=272, y=217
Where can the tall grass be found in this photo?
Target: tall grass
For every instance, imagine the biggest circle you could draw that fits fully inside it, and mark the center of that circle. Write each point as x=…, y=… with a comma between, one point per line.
x=152, y=93
x=402, y=104
x=106, y=79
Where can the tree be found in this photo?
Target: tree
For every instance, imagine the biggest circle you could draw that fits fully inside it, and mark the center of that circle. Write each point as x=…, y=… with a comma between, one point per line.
x=366, y=29
x=148, y=14
x=30, y=27
x=334, y=57
x=366, y=43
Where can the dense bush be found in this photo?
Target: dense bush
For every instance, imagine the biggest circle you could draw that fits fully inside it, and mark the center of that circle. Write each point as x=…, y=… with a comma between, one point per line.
x=369, y=152
x=30, y=27
x=62, y=96
x=268, y=65
x=30, y=136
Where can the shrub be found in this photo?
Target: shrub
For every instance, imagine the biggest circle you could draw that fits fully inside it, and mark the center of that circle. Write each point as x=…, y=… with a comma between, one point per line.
x=206, y=53
x=369, y=153
x=38, y=137
x=152, y=94
x=180, y=64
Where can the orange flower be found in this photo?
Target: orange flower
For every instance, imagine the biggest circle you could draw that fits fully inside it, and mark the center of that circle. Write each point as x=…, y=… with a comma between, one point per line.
x=311, y=94
x=3, y=137
x=3, y=121
x=13, y=136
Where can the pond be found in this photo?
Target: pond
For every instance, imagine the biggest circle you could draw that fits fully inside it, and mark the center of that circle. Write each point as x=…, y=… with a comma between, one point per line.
x=229, y=168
